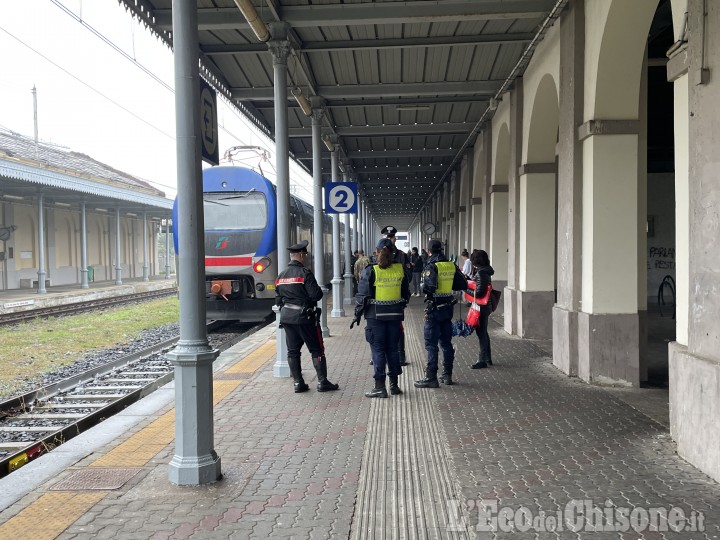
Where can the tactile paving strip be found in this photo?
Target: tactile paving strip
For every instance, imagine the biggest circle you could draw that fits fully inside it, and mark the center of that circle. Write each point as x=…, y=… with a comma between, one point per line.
x=95, y=478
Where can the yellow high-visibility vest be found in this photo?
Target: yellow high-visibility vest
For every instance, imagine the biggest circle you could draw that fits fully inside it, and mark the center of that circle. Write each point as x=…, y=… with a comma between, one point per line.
x=446, y=273
x=388, y=282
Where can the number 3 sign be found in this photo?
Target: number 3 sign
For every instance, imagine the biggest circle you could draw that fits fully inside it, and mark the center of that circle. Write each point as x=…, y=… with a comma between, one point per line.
x=341, y=198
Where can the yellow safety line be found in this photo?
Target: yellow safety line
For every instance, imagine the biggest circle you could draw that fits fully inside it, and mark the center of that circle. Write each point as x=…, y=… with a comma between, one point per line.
x=255, y=359
x=144, y=445
x=53, y=512
x=50, y=515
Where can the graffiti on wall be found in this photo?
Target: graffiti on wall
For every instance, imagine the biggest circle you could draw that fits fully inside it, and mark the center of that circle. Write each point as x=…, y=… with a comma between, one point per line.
x=661, y=258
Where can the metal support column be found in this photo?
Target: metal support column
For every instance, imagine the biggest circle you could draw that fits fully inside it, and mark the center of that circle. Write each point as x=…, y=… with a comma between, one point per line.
x=358, y=224
x=318, y=216
x=118, y=248
x=347, y=248
x=337, y=280
x=146, y=267
x=356, y=233
x=279, y=47
x=195, y=461
x=83, y=248
x=41, y=245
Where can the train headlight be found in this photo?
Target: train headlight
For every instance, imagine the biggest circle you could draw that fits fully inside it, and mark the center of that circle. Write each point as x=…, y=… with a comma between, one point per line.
x=261, y=265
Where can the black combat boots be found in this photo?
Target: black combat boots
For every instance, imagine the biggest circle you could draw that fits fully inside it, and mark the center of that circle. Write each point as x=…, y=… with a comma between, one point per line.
x=321, y=369
x=394, y=388
x=379, y=390
x=430, y=380
x=296, y=373
x=446, y=377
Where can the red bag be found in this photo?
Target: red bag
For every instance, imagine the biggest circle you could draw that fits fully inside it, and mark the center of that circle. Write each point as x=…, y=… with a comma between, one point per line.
x=473, y=298
x=473, y=316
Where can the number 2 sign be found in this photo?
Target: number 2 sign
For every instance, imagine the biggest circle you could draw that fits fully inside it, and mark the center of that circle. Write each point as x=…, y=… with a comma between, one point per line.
x=341, y=198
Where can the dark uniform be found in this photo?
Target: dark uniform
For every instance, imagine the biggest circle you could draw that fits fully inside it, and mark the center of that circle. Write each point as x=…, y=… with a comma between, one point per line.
x=382, y=296
x=402, y=258
x=296, y=292
x=440, y=279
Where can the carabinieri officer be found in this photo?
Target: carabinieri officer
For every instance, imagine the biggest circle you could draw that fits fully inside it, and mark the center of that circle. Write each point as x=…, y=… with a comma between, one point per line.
x=440, y=279
x=296, y=292
x=383, y=293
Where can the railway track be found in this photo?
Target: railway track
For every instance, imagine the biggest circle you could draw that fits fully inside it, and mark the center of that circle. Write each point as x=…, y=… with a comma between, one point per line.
x=38, y=421
x=80, y=307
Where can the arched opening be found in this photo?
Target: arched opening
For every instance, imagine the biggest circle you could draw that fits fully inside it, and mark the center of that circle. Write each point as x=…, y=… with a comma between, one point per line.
x=498, y=192
x=537, y=214
x=612, y=321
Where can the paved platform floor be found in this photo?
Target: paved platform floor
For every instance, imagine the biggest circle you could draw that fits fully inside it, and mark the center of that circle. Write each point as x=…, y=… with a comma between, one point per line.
x=518, y=443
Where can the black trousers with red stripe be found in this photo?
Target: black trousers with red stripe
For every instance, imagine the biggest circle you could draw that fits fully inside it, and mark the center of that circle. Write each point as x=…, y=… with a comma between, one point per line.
x=308, y=334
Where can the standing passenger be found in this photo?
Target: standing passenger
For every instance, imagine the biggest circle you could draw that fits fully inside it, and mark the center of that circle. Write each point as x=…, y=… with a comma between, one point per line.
x=440, y=279
x=482, y=277
x=296, y=292
x=417, y=268
x=383, y=293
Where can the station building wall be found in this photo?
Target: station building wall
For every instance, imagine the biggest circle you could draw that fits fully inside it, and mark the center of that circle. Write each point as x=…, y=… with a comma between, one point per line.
x=63, y=246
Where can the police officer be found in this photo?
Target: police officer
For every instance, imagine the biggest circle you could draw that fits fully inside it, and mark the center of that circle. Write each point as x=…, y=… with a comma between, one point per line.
x=296, y=292
x=383, y=293
x=402, y=258
x=440, y=279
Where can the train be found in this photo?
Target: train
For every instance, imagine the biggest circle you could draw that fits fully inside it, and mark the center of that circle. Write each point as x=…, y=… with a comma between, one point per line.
x=240, y=214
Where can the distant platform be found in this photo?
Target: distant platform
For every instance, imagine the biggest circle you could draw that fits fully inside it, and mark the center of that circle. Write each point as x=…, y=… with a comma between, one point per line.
x=18, y=300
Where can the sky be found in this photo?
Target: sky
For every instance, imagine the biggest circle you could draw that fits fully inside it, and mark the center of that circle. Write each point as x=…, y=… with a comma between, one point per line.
x=94, y=100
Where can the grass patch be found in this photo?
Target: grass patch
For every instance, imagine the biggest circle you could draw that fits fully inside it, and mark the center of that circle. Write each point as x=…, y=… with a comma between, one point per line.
x=31, y=349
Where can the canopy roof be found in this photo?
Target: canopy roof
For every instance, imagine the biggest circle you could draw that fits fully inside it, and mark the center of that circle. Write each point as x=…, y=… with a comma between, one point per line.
x=406, y=84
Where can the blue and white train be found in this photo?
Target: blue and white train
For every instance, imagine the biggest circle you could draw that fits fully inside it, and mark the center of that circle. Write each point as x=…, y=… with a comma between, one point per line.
x=240, y=210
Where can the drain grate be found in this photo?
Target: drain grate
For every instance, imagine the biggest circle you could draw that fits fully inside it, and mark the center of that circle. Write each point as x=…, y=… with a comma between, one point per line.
x=95, y=478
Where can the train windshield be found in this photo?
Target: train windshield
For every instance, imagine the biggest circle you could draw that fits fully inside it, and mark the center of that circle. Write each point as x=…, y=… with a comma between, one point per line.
x=235, y=210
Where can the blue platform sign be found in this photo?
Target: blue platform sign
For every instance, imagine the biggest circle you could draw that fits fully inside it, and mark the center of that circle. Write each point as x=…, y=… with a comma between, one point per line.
x=209, y=124
x=341, y=198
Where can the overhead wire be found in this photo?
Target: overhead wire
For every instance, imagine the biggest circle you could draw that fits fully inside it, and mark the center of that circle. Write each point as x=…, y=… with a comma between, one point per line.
x=106, y=40
x=147, y=71
x=78, y=79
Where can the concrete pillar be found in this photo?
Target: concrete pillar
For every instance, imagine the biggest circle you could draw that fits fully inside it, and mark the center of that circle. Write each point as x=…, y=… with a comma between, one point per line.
x=83, y=248
x=608, y=322
x=195, y=461
x=536, y=251
x=695, y=356
x=41, y=245
x=570, y=170
x=279, y=47
x=511, y=300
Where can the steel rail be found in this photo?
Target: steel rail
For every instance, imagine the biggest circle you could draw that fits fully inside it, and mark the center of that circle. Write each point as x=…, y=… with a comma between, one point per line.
x=18, y=455
x=79, y=307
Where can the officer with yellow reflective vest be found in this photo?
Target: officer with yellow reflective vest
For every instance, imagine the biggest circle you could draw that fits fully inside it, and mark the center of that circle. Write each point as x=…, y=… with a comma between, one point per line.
x=440, y=278
x=383, y=293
